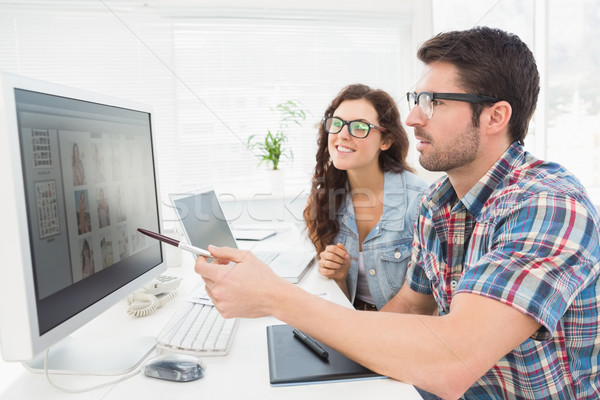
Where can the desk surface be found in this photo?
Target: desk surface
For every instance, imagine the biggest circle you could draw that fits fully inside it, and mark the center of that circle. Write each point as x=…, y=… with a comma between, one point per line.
x=243, y=373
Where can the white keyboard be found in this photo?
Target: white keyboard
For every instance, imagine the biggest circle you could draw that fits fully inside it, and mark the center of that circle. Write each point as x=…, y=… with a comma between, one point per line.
x=197, y=328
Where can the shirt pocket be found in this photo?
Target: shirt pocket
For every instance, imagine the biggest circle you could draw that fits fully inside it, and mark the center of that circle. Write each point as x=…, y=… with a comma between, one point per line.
x=394, y=259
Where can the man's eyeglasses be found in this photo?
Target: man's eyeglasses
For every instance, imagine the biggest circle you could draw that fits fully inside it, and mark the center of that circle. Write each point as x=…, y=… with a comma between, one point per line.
x=358, y=129
x=425, y=100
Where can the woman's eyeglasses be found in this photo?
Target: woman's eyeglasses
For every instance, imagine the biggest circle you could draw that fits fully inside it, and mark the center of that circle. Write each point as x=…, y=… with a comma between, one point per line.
x=358, y=129
x=425, y=100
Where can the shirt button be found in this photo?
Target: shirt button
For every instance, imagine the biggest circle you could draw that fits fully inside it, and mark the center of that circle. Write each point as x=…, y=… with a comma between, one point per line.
x=453, y=284
x=455, y=239
x=397, y=254
x=372, y=272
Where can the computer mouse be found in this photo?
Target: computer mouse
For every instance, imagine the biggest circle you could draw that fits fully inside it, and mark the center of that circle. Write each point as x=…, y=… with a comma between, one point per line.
x=175, y=367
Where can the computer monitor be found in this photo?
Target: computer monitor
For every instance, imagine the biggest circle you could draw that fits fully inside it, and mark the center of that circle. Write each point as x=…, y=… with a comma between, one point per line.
x=78, y=178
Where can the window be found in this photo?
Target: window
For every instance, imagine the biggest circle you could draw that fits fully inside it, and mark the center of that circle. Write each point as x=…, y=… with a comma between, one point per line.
x=573, y=89
x=236, y=71
x=213, y=80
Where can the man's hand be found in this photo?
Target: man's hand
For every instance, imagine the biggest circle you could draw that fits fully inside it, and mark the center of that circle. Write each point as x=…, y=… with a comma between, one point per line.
x=239, y=284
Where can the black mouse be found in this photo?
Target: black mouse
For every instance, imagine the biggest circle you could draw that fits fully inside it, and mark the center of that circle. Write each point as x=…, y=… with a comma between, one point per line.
x=175, y=367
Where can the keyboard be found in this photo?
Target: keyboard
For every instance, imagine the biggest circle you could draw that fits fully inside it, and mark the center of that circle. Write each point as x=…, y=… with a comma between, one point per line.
x=197, y=328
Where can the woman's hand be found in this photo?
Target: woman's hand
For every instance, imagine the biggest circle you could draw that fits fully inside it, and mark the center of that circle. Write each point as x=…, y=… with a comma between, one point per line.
x=334, y=263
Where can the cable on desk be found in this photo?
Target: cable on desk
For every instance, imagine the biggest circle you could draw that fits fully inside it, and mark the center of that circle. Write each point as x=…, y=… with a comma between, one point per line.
x=94, y=387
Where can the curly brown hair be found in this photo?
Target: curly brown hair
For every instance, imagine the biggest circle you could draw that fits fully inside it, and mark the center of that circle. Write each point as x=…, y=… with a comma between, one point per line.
x=329, y=187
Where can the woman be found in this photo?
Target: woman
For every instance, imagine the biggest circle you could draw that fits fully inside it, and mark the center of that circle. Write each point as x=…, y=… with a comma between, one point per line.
x=103, y=211
x=78, y=169
x=83, y=225
x=87, y=263
x=363, y=203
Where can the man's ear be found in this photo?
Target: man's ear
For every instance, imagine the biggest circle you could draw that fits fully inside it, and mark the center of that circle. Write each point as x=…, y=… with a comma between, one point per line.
x=498, y=116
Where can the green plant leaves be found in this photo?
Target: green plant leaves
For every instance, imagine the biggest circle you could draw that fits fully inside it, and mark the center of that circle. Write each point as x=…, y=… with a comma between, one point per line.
x=271, y=148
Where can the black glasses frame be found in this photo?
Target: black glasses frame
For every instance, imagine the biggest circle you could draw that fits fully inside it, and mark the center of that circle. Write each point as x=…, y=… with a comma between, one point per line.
x=344, y=123
x=413, y=98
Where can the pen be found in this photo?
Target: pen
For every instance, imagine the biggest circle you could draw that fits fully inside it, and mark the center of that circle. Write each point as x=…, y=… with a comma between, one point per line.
x=176, y=243
x=311, y=344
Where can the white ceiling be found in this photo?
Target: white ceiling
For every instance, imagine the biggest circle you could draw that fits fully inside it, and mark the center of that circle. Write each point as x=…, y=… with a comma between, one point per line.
x=190, y=7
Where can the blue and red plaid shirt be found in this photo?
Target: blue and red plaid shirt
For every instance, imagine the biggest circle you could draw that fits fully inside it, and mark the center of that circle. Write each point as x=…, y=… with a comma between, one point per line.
x=526, y=235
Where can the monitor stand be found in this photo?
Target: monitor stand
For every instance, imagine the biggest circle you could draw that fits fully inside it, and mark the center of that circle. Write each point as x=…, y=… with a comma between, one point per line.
x=94, y=356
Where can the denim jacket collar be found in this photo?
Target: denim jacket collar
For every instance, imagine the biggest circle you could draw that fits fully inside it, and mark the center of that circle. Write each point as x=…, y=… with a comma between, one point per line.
x=395, y=199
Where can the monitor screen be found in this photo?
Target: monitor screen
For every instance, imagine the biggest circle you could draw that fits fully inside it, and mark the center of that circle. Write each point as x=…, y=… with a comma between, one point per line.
x=81, y=175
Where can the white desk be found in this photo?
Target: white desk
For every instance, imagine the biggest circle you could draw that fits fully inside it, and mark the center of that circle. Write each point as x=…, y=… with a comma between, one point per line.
x=242, y=374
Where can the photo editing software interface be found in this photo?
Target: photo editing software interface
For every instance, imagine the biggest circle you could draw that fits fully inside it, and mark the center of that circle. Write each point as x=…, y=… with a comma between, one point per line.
x=89, y=181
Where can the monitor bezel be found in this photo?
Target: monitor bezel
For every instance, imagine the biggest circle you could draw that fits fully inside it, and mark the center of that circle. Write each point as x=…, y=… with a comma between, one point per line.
x=20, y=337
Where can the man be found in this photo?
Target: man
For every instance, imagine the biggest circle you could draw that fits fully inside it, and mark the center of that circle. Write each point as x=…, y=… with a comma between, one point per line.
x=501, y=297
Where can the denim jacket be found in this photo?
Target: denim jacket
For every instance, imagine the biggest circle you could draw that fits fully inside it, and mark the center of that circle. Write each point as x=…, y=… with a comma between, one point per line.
x=388, y=247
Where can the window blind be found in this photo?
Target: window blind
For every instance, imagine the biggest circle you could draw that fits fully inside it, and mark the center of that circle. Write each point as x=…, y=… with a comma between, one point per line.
x=213, y=81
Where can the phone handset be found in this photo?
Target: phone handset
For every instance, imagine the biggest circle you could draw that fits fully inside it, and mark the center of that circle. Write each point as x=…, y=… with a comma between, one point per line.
x=151, y=297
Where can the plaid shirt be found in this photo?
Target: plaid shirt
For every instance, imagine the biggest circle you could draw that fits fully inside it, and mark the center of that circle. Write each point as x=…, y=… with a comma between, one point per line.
x=526, y=235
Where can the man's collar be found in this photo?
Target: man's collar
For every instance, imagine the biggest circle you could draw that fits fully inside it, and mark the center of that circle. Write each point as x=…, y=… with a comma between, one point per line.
x=443, y=193
x=479, y=194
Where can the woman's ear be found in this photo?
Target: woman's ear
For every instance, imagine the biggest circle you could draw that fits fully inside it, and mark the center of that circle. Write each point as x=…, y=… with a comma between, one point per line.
x=386, y=143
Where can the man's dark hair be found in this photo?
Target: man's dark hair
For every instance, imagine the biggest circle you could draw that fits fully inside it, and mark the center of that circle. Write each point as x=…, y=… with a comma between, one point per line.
x=493, y=63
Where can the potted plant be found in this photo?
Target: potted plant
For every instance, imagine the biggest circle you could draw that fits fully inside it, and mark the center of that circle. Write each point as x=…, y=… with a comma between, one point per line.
x=271, y=148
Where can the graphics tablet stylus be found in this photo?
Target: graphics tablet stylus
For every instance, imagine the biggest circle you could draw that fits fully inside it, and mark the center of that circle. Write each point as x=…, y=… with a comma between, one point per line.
x=176, y=243
x=311, y=343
